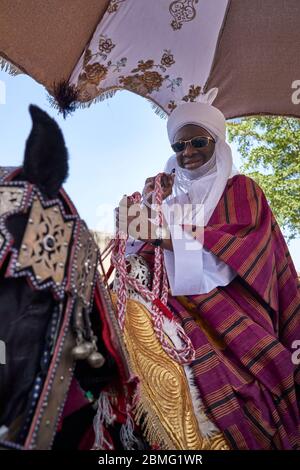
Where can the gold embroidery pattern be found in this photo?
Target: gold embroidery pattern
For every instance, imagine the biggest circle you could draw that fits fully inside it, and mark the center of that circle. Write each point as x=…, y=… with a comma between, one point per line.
x=94, y=73
x=167, y=59
x=182, y=11
x=45, y=243
x=165, y=406
x=105, y=46
x=143, y=84
x=114, y=6
x=193, y=93
x=10, y=199
x=145, y=80
x=172, y=105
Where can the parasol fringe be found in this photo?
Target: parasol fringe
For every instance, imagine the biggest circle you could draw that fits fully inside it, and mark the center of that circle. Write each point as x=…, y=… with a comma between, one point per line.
x=6, y=66
x=158, y=110
x=66, y=98
x=102, y=97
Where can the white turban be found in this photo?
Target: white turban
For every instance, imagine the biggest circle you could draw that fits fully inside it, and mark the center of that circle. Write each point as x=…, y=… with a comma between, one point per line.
x=200, y=114
x=206, y=184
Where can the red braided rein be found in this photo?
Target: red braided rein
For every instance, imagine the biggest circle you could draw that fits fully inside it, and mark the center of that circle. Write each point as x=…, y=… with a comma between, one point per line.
x=159, y=295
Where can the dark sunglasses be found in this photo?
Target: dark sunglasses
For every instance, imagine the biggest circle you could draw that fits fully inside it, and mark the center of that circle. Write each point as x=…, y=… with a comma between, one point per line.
x=196, y=142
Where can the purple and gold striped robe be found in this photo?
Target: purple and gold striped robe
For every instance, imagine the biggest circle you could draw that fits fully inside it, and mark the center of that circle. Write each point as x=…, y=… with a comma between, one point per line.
x=243, y=333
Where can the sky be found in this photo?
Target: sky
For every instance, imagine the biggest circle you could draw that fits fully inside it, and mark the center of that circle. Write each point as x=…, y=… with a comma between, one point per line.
x=113, y=146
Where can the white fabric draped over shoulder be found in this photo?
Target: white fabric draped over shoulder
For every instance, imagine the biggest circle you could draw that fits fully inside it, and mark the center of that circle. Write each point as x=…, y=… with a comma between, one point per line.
x=191, y=269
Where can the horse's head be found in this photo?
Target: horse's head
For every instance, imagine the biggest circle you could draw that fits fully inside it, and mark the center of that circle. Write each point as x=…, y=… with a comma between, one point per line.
x=46, y=156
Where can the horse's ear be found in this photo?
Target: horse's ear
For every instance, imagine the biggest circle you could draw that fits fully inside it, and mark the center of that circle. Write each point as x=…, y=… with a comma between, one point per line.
x=46, y=156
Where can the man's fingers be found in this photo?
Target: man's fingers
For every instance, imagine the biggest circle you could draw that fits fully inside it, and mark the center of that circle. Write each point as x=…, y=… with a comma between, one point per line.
x=167, y=179
x=149, y=186
x=148, y=189
x=150, y=180
x=167, y=183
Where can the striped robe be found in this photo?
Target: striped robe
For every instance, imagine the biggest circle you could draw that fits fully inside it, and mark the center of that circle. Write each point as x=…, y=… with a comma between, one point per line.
x=243, y=333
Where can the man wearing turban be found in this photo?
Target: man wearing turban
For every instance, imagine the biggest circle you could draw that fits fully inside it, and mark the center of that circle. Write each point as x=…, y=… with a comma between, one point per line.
x=233, y=286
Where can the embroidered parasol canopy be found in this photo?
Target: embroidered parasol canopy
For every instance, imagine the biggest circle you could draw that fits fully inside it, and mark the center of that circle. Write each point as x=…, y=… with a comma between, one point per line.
x=167, y=51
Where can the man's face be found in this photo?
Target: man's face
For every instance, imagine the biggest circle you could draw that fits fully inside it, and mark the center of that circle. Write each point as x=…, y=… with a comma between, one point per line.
x=192, y=158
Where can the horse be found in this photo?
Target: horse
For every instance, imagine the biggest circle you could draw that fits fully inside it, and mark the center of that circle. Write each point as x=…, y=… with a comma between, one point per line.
x=62, y=343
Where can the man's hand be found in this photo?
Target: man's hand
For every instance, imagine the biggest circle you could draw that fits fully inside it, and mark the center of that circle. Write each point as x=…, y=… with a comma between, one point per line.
x=131, y=218
x=167, y=181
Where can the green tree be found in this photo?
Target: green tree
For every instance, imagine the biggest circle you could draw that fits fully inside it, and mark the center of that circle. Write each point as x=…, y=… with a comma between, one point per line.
x=270, y=151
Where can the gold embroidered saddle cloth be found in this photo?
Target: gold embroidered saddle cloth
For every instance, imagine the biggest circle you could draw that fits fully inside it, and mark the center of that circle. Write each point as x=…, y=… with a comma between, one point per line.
x=168, y=410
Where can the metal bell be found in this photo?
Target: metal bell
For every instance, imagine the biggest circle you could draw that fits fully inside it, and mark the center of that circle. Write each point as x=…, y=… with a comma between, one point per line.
x=96, y=360
x=89, y=347
x=82, y=351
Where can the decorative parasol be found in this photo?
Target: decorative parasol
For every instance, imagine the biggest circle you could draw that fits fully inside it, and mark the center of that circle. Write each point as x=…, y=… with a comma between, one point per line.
x=167, y=51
